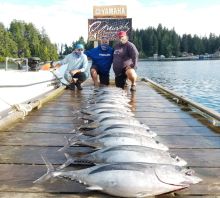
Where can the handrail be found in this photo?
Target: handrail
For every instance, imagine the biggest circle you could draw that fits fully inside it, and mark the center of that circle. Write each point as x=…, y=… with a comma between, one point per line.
x=205, y=111
x=14, y=59
x=27, y=85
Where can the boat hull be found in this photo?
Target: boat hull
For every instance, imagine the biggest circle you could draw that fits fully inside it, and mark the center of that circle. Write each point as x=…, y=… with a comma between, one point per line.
x=19, y=87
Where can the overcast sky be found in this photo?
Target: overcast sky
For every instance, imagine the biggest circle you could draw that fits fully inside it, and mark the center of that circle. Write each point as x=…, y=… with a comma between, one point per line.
x=66, y=20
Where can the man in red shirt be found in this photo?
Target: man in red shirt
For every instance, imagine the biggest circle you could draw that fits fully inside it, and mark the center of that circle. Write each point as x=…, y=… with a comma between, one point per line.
x=125, y=60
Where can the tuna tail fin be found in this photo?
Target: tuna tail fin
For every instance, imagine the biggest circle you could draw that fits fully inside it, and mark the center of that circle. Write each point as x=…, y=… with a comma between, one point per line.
x=67, y=144
x=75, y=137
x=69, y=161
x=76, y=112
x=71, y=141
x=48, y=174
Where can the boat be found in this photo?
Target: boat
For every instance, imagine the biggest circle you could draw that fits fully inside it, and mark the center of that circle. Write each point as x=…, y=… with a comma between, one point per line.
x=22, y=87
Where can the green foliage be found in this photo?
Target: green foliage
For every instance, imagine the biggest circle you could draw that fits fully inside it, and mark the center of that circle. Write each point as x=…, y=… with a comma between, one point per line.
x=7, y=46
x=24, y=40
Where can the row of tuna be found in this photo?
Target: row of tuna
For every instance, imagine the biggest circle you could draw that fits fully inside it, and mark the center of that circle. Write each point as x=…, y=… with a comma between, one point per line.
x=126, y=159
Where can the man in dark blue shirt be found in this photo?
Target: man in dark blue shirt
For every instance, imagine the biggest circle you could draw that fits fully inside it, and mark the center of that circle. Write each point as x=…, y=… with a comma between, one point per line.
x=102, y=57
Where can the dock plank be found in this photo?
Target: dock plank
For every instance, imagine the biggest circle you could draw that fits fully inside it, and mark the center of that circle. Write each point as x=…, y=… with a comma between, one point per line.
x=51, y=119
x=170, y=122
x=25, y=139
x=165, y=115
x=43, y=127
x=19, y=178
x=52, y=195
x=189, y=142
x=60, y=113
x=206, y=158
x=180, y=130
x=24, y=154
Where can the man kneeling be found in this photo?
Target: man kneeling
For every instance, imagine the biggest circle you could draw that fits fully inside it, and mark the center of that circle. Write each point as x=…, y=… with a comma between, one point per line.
x=101, y=62
x=77, y=67
x=125, y=61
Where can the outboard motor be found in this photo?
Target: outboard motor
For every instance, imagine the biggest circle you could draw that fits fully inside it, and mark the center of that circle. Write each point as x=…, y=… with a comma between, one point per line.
x=33, y=63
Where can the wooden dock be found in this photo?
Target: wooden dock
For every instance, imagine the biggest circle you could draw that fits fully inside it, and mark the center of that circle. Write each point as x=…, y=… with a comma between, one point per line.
x=43, y=131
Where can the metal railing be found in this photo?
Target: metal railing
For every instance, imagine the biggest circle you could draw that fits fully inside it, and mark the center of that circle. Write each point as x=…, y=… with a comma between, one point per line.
x=16, y=60
x=206, y=112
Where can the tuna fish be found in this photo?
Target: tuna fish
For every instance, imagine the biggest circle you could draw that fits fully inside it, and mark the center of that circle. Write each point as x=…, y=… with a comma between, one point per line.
x=116, y=116
x=128, y=179
x=126, y=153
x=111, y=97
x=102, y=116
x=98, y=110
x=113, y=102
x=106, y=106
x=115, y=139
x=125, y=129
x=112, y=126
x=104, y=111
x=112, y=121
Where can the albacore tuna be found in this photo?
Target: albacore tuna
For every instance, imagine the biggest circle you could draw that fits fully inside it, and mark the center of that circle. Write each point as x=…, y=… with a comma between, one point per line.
x=115, y=139
x=115, y=130
x=125, y=153
x=128, y=179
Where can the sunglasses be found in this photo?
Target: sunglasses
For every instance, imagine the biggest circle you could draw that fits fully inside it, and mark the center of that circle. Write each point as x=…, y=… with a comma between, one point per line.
x=80, y=49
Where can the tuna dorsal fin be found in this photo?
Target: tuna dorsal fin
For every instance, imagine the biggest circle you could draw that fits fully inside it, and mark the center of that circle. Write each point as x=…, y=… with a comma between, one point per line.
x=94, y=188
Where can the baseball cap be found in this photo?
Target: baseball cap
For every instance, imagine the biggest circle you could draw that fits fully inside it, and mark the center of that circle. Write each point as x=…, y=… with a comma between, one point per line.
x=121, y=34
x=79, y=46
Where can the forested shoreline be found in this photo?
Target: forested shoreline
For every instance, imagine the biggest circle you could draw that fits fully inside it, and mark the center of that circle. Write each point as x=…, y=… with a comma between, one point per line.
x=25, y=40
x=166, y=42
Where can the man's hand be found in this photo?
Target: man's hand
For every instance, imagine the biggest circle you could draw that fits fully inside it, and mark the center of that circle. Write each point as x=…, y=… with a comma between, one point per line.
x=55, y=65
x=73, y=72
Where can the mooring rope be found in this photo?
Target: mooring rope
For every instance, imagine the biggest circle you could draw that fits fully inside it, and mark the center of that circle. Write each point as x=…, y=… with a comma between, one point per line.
x=24, y=108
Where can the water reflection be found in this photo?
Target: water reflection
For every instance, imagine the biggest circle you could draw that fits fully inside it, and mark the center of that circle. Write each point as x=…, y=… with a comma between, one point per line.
x=197, y=80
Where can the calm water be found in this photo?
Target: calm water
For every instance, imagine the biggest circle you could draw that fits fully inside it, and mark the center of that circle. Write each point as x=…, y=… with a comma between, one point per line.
x=197, y=80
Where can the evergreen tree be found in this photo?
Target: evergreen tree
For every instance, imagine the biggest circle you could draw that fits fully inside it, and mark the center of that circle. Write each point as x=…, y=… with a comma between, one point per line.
x=34, y=40
x=8, y=48
x=19, y=35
